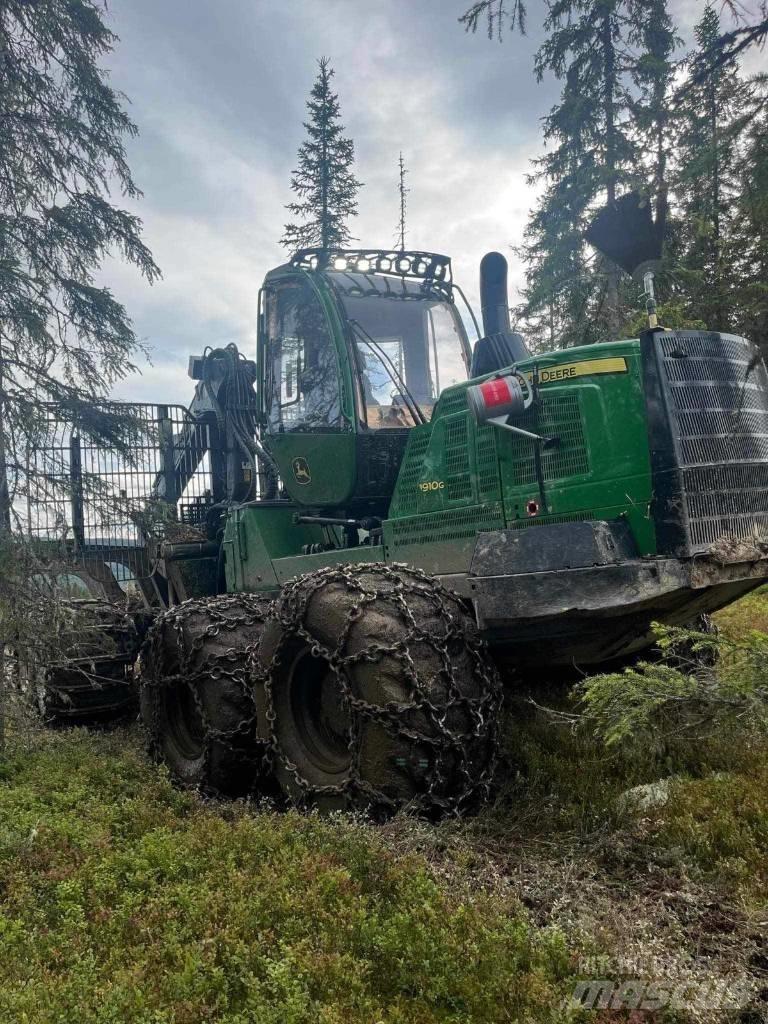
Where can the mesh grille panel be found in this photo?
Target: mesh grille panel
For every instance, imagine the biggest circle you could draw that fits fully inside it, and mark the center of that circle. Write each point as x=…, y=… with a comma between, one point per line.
x=559, y=417
x=487, y=464
x=451, y=524
x=406, y=499
x=457, y=479
x=109, y=503
x=717, y=396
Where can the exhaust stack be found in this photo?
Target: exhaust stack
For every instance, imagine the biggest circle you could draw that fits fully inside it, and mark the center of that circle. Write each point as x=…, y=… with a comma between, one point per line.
x=501, y=346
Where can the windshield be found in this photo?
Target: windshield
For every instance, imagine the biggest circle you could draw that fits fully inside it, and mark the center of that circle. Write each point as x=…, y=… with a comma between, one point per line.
x=409, y=345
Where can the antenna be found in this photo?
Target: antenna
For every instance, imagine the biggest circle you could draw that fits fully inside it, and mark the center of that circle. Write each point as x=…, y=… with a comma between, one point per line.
x=403, y=193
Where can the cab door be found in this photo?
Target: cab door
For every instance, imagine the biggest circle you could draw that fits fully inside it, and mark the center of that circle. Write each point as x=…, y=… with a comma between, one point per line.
x=309, y=429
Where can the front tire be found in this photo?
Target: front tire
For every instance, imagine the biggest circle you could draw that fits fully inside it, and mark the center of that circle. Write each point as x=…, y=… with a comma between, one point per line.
x=196, y=695
x=374, y=693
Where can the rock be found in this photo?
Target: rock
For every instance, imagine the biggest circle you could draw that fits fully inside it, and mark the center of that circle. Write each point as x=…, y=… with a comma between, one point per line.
x=645, y=798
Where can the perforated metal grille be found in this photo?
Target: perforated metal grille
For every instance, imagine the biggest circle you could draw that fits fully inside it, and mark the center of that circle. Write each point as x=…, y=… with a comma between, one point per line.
x=717, y=395
x=556, y=417
x=406, y=497
x=451, y=402
x=451, y=524
x=458, y=482
x=487, y=464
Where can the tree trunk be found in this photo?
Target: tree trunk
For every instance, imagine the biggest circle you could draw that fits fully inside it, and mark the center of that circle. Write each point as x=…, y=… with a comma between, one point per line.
x=5, y=525
x=716, y=247
x=609, y=87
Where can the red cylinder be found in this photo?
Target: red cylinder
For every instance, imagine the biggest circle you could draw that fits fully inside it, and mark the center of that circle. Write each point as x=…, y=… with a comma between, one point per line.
x=500, y=396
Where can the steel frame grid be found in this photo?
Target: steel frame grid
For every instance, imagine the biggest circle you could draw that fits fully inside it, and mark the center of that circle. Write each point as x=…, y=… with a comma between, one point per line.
x=111, y=503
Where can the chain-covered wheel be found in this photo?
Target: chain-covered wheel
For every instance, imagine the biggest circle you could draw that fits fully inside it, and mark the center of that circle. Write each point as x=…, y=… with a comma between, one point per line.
x=374, y=692
x=197, y=696
x=91, y=678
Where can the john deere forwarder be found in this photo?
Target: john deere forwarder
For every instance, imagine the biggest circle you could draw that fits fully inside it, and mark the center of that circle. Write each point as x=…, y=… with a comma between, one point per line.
x=402, y=495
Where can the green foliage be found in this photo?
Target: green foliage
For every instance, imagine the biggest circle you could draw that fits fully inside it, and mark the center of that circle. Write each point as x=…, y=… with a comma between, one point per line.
x=496, y=14
x=673, y=314
x=324, y=181
x=62, y=336
x=571, y=752
x=657, y=703
x=124, y=899
x=690, y=134
x=614, y=60
x=707, y=183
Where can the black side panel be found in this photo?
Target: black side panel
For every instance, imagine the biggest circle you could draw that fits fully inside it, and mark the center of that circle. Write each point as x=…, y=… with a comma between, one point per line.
x=379, y=455
x=667, y=500
x=710, y=459
x=552, y=548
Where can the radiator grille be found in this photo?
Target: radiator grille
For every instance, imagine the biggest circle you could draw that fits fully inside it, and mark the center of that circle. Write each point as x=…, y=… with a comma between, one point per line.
x=717, y=398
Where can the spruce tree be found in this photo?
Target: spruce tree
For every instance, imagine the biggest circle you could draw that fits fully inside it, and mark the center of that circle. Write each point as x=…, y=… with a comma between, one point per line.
x=749, y=251
x=64, y=337
x=323, y=181
x=606, y=134
x=593, y=155
x=716, y=112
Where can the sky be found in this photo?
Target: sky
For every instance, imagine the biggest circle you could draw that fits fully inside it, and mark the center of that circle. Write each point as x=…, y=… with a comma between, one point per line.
x=218, y=90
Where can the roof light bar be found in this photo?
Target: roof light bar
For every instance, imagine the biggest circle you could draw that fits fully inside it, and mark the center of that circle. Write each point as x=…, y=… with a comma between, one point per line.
x=427, y=266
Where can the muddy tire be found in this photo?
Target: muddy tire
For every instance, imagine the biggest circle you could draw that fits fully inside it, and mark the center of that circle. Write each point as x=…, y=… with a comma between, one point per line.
x=94, y=681
x=196, y=694
x=374, y=693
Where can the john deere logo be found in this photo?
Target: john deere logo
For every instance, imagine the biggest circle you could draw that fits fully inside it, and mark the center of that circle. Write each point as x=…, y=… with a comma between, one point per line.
x=301, y=471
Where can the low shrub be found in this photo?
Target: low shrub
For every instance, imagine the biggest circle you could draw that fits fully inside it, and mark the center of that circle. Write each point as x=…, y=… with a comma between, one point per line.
x=124, y=899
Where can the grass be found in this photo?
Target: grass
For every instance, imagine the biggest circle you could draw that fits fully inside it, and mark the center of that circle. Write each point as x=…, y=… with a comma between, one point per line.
x=123, y=899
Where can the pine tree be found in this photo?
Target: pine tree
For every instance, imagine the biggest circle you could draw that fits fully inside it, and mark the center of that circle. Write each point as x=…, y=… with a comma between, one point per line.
x=716, y=112
x=323, y=181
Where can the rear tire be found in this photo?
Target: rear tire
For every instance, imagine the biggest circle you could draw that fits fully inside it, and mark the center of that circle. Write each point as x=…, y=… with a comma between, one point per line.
x=196, y=694
x=94, y=681
x=374, y=693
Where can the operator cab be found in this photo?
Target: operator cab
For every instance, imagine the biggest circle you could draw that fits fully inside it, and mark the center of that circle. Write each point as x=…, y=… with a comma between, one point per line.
x=359, y=345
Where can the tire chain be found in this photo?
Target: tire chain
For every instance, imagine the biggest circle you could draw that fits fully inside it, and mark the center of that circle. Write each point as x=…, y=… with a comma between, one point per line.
x=444, y=794
x=231, y=663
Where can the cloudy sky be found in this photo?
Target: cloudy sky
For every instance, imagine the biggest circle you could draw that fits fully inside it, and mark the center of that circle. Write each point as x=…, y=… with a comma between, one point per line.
x=218, y=90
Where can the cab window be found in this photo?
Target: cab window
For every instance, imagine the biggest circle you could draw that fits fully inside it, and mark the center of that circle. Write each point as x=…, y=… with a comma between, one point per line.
x=304, y=391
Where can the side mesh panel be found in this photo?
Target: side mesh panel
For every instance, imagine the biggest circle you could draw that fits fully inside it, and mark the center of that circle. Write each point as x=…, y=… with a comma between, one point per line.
x=112, y=503
x=717, y=400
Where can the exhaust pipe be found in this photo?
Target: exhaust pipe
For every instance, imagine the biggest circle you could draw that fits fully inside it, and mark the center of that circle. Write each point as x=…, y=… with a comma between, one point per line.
x=494, y=304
